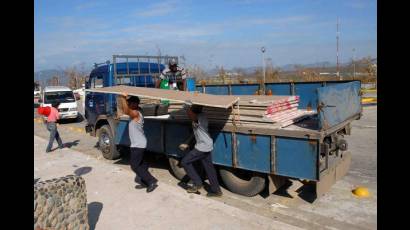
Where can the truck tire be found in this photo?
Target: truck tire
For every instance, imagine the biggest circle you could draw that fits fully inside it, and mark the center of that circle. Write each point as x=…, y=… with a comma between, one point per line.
x=176, y=170
x=242, y=182
x=106, y=143
x=179, y=172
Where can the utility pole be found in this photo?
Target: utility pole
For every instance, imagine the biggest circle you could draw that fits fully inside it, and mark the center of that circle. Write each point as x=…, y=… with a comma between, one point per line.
x=337, y=47
x=354, y=64
x=263, y=66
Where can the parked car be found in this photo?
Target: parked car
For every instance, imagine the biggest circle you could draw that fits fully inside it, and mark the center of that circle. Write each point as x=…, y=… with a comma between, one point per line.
x=64, y=95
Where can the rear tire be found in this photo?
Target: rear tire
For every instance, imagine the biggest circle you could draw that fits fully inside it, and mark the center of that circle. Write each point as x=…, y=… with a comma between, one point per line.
x=243, y=182
x=106, y=143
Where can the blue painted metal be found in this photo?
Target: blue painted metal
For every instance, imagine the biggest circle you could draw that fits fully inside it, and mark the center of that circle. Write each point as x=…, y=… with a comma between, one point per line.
x=279, y=88
x=241, y=90
x=152, y=130
x=175, y=134
x=222, y=153
x=190, y=83
x=338, y=103
x=296, y=158
x=253, y=152
x=308, y=95
x=121, y=134
x=217, y=90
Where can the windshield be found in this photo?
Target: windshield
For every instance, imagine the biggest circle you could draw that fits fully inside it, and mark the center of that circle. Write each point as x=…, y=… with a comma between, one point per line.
x=61, y=96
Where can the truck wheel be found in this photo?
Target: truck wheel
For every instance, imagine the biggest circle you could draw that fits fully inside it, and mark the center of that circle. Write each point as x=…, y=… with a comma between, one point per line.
x=106, y=143
x=176, y=169
x=242, y=182
x=179, y=172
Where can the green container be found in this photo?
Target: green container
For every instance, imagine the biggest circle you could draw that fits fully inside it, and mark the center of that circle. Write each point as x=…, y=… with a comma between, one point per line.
x=164, y=85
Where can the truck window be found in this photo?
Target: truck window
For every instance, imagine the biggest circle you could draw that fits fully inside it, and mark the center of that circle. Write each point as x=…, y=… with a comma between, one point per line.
x=59, y=96
x=123, y=81
x=96, y=82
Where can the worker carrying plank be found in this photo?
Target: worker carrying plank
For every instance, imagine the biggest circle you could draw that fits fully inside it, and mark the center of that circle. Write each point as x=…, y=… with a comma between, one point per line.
x=173, y=77
x=201, y=152
x=130, y=106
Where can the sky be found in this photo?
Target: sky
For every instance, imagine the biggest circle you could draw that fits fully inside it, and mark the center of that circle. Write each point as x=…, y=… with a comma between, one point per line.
x=228, y=33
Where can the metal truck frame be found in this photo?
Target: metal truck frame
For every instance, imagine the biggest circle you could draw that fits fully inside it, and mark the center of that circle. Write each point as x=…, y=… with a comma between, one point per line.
x=248, y=158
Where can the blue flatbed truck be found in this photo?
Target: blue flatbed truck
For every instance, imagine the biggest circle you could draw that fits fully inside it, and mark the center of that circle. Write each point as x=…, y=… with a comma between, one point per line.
x=249, y=158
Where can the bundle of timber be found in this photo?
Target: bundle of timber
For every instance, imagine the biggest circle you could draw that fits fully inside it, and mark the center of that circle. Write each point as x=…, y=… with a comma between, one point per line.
x=253, y=109
x=285, y=111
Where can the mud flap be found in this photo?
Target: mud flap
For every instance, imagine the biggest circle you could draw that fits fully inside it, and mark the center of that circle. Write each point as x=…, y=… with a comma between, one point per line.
x=333, y=174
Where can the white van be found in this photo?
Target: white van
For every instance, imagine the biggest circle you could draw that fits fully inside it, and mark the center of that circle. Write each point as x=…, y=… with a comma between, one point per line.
x=68, y=105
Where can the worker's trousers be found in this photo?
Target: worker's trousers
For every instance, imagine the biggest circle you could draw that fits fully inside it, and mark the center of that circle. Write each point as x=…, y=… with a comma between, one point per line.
x=52, y=127
x=140, y=167
x=206, y=160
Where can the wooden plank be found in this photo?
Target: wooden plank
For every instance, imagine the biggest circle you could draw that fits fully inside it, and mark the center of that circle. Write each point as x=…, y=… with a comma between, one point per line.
x=219, y=101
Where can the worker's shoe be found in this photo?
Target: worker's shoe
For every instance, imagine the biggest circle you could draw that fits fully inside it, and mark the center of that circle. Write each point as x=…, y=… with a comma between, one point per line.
x=152, y=187
x=214, y=194
x=141, y=186
x=194, y=188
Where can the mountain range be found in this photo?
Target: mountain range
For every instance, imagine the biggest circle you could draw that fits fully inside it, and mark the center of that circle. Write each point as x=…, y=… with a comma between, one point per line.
x=44, y=75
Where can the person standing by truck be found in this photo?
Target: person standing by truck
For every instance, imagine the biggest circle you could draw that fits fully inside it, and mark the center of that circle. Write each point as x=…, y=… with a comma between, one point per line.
x=201, y=152
x=51, y=123
x=173, y=77
x=130, y=106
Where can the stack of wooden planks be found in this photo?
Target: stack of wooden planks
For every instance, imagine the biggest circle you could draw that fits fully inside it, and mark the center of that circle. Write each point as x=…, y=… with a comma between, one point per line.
x=252, y=109
x=285, y=111
x=235, y=109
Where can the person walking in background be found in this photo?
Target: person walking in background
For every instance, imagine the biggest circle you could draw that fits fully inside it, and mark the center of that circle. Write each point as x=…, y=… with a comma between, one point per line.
x=51, y=123
x=130, y=106
x=201, y=152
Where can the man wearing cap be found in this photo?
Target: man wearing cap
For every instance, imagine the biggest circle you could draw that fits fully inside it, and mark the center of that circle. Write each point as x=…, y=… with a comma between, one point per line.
x=173, y=77
x=201, y=152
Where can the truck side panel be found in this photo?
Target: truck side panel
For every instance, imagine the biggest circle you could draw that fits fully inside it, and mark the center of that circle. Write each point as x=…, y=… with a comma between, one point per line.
x=175, y=134
x=296, y=158
x=154, y=136
x=308, y=98
x=253, y=152
x=222, y=153
x=240, y=90
x=338, y=103
x=279, y=89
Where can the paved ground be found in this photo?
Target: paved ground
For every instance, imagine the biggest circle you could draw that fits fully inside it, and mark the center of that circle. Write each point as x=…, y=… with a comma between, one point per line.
x=338, y=209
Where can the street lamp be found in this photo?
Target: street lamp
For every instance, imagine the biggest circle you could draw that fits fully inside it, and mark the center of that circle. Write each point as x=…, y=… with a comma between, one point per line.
x=263, y=66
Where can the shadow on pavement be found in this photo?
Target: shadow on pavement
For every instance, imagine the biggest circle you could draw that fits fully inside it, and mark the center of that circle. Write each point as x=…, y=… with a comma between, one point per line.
x=154, y=160
x=307, y=192
x=283, y=191
x=94, y=211
x=82, y=171
x=71, y=144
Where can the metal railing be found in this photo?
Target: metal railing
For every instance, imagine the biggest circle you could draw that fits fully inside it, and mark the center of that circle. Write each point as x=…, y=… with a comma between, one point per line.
x=159, y=60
